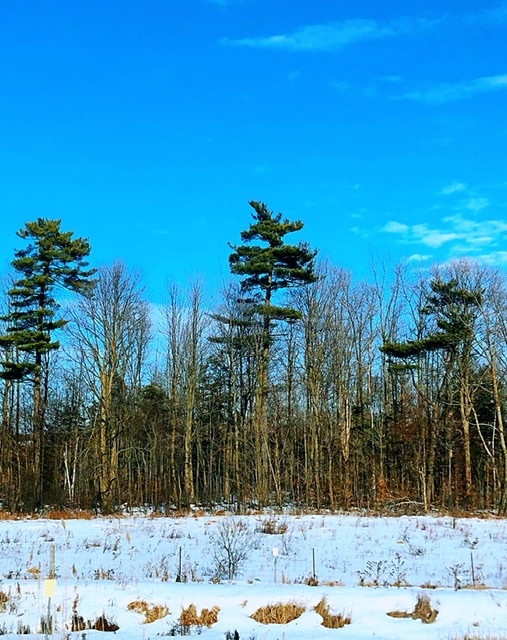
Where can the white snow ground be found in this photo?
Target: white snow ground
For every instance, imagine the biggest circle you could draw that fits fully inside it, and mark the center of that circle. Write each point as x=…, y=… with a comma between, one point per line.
x=103, y=565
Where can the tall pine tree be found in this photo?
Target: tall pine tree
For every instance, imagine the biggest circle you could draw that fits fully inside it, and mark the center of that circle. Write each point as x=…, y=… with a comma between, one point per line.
x=267, y=266
x=52, y=260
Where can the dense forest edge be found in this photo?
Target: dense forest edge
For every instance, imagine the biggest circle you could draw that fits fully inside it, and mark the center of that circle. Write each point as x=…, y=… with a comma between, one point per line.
x=300, y=387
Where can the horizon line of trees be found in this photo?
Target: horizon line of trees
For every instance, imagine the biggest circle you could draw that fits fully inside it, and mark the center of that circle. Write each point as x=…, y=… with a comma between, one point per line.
x=300, y=386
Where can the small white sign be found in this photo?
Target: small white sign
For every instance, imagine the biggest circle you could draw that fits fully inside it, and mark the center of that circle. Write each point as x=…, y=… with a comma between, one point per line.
x=275, y=552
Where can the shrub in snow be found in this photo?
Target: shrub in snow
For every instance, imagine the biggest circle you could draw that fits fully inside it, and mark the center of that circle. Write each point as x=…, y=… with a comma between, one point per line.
x=232, y=542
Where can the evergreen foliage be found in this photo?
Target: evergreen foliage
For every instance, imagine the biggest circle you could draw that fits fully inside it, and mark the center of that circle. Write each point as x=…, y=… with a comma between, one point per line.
x=453, y=308
x=272, y=265
x=51, y=260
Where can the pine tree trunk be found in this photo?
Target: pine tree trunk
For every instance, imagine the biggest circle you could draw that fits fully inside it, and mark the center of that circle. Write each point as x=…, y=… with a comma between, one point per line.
x=38, y=438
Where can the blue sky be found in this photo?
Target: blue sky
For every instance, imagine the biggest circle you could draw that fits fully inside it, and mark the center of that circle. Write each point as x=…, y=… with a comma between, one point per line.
x=147, y=126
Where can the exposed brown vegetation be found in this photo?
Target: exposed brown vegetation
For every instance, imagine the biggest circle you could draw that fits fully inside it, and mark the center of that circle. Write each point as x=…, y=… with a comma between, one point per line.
x=330, y=620
x=272, y=526
x=103, y=624
x=78, y=622
x=422, y=611
x=478, y=586
x=4, y=599
x=280, y=613
x=69, y=514
x=151, y=612
x=207, y=618
x=479, y=637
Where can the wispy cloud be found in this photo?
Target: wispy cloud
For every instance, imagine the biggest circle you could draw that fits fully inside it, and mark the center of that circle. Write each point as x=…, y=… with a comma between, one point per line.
x=477, y=204
x=496, y=257
x=419, y=257
x=455, y=187
x=322, y=37
x=339, y=86
x=495, y=16
x=396, y=227
x=337, y=35
x=442, y=93
x=460, y=234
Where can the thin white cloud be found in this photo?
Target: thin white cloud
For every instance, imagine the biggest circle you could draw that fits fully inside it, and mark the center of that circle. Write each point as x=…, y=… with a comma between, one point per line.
x=420, y=233
x=461, y=235
x=496, y=16
x=453, y=188
x=360, y=231
x=335, y=36
x=339, y=86
x=419, y=257
x=443, y=93
x=495, y=257
x=396, y=227
x=321, y=37
x=392, y=79
x=433, y=238
x=473, y=228
x=477, y=204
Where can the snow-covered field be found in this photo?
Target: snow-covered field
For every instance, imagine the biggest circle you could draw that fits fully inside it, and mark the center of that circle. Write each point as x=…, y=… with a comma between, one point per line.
x=365, y=567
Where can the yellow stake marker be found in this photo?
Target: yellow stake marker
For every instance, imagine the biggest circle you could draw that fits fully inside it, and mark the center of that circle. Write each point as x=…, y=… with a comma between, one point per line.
x=49, y=588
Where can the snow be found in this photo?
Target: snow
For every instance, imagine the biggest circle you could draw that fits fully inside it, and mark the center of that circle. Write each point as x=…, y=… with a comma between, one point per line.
x=103, y=565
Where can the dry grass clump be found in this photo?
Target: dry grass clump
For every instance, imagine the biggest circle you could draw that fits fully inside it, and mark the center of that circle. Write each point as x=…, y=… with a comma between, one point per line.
x=151, y=612
x=207, y=617
x=280, y=613
x=103, y=624
x=478, y=586
x=422, y=611
x=429, y=585
x=7, y=515
x=330, y=620
x=78, y=623
x=476, y=636
x=68, y=514
x=272, y=526
x=4, y=599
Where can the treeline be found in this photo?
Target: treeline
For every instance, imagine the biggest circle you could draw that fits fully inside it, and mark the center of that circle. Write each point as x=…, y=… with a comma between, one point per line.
x=301, y=385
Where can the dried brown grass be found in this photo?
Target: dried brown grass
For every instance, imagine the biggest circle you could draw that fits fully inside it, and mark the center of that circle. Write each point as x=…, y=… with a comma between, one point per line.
x=280, y=613
x=476, y=636
x=8, y=515
x=151, y=612
x=429, y=585
x=479, y=586
x=51, y=514
x=422, y=611
x=103, y=624
x=272, y=526
x=207, y=618
x=4, y=599
x=331, y=620
x=69, y=514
